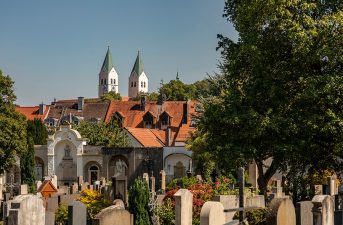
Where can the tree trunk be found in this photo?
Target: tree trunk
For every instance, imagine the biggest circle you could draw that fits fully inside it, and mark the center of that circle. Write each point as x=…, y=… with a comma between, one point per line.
x=263, y=178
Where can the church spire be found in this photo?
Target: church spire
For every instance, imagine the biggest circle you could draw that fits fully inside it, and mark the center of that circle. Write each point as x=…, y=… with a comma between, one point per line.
x=107, y=64
x=138, y=67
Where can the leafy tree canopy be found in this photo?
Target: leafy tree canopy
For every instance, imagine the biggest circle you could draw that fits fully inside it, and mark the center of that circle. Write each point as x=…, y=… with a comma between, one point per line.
x=282, y=88
x=111, y=96
x=12, y=125
x=103, y=134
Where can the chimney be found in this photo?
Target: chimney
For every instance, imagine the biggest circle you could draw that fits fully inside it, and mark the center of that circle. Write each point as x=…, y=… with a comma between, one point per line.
x=185, y=112
x=80, y=103
x=41, y=108
x=168, y=136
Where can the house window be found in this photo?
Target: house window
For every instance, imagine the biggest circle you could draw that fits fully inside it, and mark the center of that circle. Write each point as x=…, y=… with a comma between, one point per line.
x=148, y=120
x=164, y=120
x=104, y=81
x=144, y=84
x=116, y=117
x=135, y=84
x=131, y=83
x=114, y=81
x=93, y=173
x=111, y=81
x=141, y=83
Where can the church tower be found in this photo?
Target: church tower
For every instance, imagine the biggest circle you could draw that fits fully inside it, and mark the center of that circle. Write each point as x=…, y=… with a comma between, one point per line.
x=108, y=76
x=138, y=80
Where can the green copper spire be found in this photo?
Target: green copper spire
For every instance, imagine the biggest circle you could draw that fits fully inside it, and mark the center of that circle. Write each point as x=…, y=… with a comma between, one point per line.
x=107, y=65
x=138, y=67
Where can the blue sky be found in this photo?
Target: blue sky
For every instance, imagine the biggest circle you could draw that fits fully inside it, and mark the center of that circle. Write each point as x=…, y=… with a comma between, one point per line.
x=54, y=49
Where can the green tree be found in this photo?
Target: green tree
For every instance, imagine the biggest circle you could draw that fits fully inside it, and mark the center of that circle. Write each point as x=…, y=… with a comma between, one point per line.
x=176, y=90
x=104, y=134
x=138, y=202
x=12, y=125
x=111, y=96
x=27, y=165
x=153, y=96
x=282, y=89
x=38, y=131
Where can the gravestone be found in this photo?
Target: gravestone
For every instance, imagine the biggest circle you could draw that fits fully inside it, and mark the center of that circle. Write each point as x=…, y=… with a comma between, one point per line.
x=323, y=210
x=277, y=189
x=212, y=213
x=23, y=189
x=318, y=189
x=114, y=215
x=163, y=180
x=102, y=181
x=119, y=183
x=84, y=186
x=74, y=188
x=229, y=202
x=38, y=184
x=255, y=201
x=281, y=212
x=146, y=178
x=49, y=218
x=183, y=207
x=54, y=181
x=339, y=209
x=26, y=210
x=304, y=213
x=152, y=179
x=77, y=213
x=331, y=187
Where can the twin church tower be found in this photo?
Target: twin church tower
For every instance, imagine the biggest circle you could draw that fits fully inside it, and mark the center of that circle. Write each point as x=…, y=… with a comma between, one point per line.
x=108, y=77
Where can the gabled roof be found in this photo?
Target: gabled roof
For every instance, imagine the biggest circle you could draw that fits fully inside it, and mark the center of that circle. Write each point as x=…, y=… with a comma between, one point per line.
x=107, y=64
x=138, y=67
x=145, y=136
x=32, y=112
x=91, y=109
x=46, y=184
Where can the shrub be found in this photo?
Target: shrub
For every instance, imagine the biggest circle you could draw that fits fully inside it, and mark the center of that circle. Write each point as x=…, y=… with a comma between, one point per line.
x=166, y=212
x=61, y=214
x=94, y=202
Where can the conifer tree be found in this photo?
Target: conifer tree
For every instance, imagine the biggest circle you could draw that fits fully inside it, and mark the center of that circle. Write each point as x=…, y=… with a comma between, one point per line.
x=27, y=164
x=138, y=202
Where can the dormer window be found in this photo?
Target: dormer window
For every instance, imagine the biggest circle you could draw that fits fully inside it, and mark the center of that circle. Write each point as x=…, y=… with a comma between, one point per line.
x=165, y=120
x=148, y=120
x=118, y=118
x=50, y=122
x=71, y=119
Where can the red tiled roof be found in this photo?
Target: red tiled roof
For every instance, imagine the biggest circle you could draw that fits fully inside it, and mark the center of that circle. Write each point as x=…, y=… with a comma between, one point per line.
x=32, y=112
x=145, y=136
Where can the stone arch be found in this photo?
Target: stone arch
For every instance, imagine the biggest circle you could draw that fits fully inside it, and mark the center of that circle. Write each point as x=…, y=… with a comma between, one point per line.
x=39, y=168
x=92, y=171
x=118, y=164
x=176, y=165
x=66, y=162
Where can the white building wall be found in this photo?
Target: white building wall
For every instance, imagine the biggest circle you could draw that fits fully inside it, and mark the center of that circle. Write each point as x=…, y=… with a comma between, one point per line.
x=143, y=83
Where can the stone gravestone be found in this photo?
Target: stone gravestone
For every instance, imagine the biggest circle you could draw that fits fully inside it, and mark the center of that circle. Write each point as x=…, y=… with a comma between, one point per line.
x=323, y=210
x=23, y=189
x=163, y=180
x=146, y=178
x=229, y=202
x=339, y=209
x=212, y=213
x=77, y=213
x=114, y=215
x=318, y=189
x=26, y=210
x=38, y=184
x=152, y=179
x=119, y=183
x=183, y=207
x=281, y=212
x=304, y=213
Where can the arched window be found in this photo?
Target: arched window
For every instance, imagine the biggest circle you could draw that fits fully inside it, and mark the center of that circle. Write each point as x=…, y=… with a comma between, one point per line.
x=114, y=81
x=131, y=83
x=135, y=84
x=144, y=84
x=111, y=81
x=104, y=81
x=93, y=173
x=141, y=83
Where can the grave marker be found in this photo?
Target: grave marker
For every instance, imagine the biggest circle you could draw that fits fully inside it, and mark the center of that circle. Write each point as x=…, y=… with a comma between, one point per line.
x=323, y=210
x=183, y=207
x=77, y=213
